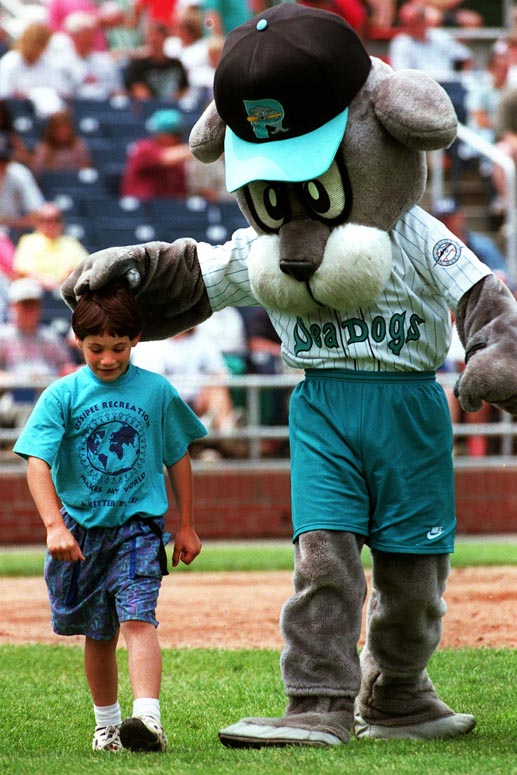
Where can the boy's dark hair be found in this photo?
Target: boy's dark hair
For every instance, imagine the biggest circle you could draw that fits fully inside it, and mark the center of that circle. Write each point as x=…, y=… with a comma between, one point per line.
x=112, y=310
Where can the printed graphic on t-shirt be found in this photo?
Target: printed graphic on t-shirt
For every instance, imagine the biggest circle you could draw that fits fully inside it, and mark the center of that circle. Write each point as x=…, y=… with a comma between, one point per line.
x=112, y=450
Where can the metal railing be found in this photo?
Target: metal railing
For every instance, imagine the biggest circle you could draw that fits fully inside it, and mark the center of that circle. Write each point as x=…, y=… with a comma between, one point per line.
x=253, y=432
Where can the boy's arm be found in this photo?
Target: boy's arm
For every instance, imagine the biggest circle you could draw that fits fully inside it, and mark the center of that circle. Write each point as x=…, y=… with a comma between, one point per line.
x=186, y=544
x=60, y=541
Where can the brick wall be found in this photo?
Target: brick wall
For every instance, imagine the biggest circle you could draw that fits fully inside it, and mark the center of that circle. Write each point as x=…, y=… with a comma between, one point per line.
x=255, y=503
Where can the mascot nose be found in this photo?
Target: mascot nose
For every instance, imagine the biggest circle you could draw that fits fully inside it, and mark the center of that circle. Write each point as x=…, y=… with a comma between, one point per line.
x=302, y=244
x=300, y=270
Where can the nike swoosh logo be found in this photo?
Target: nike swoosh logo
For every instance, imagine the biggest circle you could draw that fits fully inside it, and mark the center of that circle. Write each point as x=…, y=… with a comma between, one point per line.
x=432, y=535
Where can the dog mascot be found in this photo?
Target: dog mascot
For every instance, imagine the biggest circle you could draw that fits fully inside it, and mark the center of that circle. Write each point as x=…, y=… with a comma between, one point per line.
x=325, y=149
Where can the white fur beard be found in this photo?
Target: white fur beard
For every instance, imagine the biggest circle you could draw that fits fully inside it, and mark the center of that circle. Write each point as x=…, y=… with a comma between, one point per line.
x=355, y=269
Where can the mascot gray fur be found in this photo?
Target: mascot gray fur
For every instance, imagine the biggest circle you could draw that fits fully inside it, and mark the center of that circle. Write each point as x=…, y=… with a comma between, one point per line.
x=325, y=150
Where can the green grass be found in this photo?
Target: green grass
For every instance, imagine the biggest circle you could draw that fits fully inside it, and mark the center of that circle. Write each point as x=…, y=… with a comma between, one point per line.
x=268, y=556
x=46, y=718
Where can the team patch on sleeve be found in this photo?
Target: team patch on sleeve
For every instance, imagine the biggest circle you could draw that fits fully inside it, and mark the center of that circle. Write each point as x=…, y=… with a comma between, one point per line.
x=446, y=252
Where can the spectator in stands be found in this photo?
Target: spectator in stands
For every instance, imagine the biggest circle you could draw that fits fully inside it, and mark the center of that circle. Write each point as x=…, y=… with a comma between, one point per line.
x=29, y=70
x=221, y=16
x=20, y=150
x=485, y=92
x=20, y=195
x=6, y=271
x=151, y=72
x=508, y=43
x=199, y=53
x=506, y=137
x=450, y=13
x=201, y=76
x=60, y=147
x=91, y=74
x=5, y=37
x=122, y=32
x=187, y=39
x=156, y=165
x=48, y=255
x=28, y=349
x=151, y=12
x=7, y=248
x=226, y=330
x=192, y=354
x=207, y=180
x=423, y=47
x=452, y=215
x=59, y=10
x=355, y=12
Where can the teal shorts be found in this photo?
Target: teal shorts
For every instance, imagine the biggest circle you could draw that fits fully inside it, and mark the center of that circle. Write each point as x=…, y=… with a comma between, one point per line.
x=371, y=453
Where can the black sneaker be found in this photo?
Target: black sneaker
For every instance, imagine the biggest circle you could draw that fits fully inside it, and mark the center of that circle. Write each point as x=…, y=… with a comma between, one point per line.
x=143, y=733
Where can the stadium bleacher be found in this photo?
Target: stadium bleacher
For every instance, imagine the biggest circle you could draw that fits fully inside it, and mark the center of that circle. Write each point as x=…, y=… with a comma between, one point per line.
x=94, y=210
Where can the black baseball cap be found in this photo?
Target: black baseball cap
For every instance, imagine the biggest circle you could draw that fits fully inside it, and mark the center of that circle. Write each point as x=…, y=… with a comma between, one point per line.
x=283, y=86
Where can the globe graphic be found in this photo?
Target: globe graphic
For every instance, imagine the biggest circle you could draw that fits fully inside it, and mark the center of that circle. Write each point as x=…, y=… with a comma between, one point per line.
x=113, y=448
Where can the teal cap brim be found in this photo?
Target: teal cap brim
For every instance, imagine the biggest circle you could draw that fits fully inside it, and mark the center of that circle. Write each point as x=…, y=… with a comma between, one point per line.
x=295, y=159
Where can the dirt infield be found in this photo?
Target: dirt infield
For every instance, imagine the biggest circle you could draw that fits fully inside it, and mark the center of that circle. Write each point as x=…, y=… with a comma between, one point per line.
x=241, y=610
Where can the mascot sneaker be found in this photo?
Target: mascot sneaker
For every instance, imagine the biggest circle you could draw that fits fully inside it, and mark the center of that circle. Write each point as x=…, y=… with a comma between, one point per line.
x=436, y=729
x=249, y=734
x=143, y=733
x=107, y=739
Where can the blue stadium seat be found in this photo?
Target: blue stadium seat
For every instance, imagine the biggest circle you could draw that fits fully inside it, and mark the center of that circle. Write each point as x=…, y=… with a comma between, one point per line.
x=19, y=106
x=55, y=313
x=123, y=131
x=110, y=153
x=55, y=182
x=107, y=235
x=128, y=208
x=82, y=229
x=166, y=208
x=231, y=216
x=29, y=128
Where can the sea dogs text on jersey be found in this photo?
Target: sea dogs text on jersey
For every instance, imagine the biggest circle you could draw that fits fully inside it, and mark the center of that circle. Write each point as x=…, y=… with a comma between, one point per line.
x=397, y=331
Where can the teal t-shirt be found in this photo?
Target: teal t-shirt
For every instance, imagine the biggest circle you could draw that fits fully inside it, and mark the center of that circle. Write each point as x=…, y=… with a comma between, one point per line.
x=107, y=443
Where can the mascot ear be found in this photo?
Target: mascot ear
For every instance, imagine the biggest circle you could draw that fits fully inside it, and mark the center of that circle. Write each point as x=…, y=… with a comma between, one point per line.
x=416, y=110
x=206, y=139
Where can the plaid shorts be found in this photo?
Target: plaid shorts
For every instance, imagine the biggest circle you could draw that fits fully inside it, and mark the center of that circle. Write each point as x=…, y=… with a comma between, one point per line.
x=118, y=581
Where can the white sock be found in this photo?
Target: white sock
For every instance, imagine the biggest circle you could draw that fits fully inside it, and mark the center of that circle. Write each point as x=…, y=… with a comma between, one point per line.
x=147, y=706
x=107, y=715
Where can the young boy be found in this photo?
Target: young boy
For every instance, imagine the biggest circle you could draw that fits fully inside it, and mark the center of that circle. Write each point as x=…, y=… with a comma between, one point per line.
x=96, y=443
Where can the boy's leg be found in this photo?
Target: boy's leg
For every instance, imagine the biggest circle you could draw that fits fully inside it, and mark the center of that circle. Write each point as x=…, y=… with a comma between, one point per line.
x=100, y=665
x=143, y=731
x=101, y=671
x=144, y=658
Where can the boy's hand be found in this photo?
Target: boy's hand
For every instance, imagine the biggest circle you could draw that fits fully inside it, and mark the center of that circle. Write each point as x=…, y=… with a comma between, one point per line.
x=186, y=546
x=63, y=546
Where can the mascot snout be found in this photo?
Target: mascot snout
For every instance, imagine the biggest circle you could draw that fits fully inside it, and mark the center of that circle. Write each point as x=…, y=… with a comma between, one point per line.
x=302, y=244
x=350, y=268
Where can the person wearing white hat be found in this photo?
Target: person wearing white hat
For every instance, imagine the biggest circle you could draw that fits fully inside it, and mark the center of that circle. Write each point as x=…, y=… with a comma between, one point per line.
x=28, y=349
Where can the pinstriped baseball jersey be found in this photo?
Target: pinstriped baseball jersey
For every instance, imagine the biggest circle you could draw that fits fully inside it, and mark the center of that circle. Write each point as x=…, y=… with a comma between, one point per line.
x=408, y=328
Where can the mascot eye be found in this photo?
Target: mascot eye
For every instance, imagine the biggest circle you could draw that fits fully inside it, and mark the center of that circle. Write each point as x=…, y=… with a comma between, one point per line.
x=329, y=197
x=269, y=204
